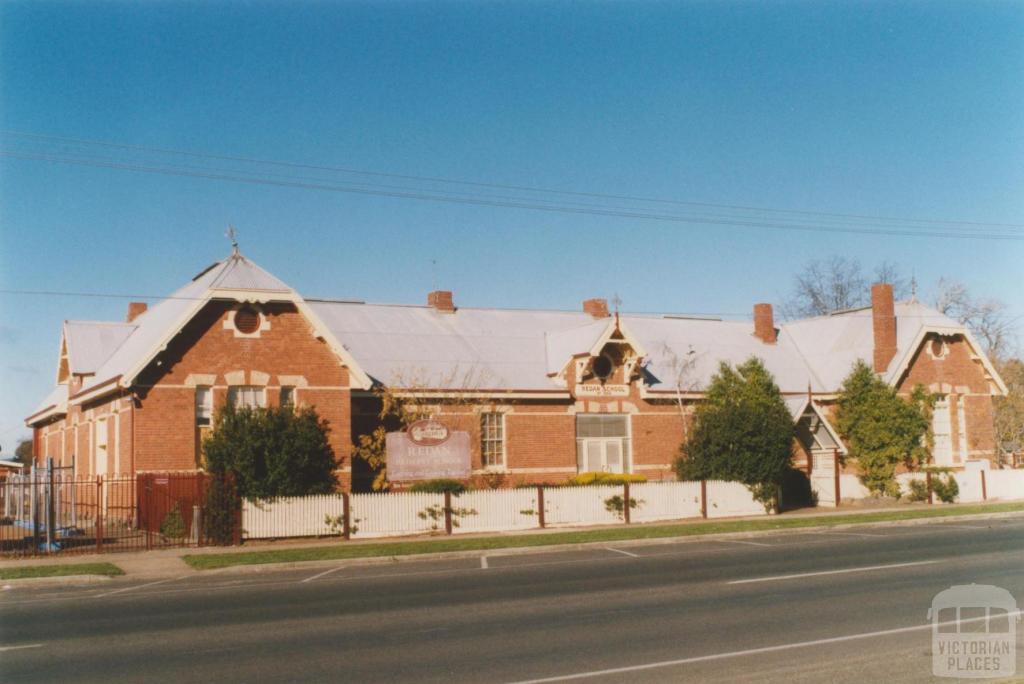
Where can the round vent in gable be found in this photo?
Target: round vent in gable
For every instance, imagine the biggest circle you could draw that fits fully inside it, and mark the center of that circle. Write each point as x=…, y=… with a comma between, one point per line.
x=247, y=320
x=602, y=367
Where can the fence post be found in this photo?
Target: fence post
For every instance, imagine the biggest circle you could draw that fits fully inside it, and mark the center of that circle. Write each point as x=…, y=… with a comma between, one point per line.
x=51, y=509
x=984, y=492
x=625, y=502
x=99, y=513
x=34, y=492
x=540, y=505
x=147, y=509
x=704, y=498
x=347, y=512
x=928, y=484
x=448, y=512
x=835, y=468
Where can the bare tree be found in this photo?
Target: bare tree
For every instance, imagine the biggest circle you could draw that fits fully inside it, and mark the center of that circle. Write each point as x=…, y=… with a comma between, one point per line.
x=684, y=378
x=838, y=283
x=986, y=318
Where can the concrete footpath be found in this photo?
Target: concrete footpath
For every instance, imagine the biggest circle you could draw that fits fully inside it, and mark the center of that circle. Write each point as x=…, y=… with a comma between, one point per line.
x=161, y=563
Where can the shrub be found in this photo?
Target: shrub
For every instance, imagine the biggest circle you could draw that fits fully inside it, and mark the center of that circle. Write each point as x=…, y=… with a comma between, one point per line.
x=602, y=478
x=918, y=490
x=882, y=429
x=946, y=489
x=272, y=452
x=742, y=432
x=173, y=526
x=796, y=489
x=439, y=486
x=221, y=510
x=616, y=504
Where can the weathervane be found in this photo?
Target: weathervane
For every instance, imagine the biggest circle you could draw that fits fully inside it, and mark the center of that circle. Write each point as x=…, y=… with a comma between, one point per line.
x=913, y=287
x=616, y=302
x=232, y=235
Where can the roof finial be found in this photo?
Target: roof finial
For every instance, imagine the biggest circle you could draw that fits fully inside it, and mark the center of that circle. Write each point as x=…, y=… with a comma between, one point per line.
x=913, y=287
x=616, y=301
x=232, y=235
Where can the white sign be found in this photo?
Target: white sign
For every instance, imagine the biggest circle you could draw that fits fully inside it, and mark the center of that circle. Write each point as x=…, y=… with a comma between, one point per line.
x=409, y=461
x=602, y=390
x=974, y=632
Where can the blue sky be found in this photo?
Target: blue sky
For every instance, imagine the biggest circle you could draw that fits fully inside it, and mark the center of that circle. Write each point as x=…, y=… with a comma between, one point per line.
x=894, y=109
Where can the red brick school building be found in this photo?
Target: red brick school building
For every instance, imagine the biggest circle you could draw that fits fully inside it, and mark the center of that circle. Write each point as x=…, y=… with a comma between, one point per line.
x=544, y=394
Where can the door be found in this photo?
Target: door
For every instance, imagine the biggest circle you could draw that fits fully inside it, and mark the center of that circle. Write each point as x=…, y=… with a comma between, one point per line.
x=602, y=443
x=943, y=449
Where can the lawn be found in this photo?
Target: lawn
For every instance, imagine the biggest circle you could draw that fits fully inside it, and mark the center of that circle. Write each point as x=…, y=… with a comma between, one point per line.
x=106, y=569
x=343, y=551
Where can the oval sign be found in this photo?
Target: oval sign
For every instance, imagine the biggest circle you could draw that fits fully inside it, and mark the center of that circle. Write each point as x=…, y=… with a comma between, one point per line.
x=428, y=432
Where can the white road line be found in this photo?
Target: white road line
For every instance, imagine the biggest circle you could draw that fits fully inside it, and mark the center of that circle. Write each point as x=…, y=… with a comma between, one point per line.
x=747, y=652
x=18, y=648
x=321, y=574
x=483, y=563
x=139, y=586
x=866, y=568
x=625, y=553
x=741, y=541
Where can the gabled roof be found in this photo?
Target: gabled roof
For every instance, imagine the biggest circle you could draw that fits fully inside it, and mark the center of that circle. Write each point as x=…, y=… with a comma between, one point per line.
x=55, y=404
x=502, y=350
x=831, y=344
x=90, y=343
x=235, y=278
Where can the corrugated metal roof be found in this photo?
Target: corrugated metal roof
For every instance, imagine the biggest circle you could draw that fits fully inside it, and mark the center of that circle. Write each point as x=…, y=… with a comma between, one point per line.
x=416, y=346
x=90, y=343
x=58, y=397
x=238, y=273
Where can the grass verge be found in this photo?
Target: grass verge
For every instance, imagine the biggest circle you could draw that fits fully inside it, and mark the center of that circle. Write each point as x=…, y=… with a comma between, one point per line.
x=344, y=551
x=107, y=569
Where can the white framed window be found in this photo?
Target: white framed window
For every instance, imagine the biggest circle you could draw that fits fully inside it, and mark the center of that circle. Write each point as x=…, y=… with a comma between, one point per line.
x=204, y=406
x=603, y=443
x=942, y=452
x=492, y=440
x=961, y=423
x=247, y=396
x=287, y=396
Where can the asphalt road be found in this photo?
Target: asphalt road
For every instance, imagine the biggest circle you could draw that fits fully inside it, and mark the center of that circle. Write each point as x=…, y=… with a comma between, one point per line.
x=839, y=606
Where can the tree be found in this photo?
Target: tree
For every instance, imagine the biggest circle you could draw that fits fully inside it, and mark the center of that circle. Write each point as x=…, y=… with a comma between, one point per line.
x=1009, y=411
x=822, y=287
x=986, y=318
x=23, y=453
x=881, y=428
x=272, y=452
x=742, y=432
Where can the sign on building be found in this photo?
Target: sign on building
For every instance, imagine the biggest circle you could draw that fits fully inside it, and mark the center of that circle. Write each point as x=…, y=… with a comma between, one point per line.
x=427, y=450
x=602, y=390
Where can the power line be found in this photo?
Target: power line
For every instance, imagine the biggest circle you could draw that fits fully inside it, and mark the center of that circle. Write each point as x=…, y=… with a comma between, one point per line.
x=522, y=188
x=513, y=204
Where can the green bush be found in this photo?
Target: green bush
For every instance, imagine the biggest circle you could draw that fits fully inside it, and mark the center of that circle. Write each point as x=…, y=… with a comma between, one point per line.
x=272, y=452
x=882, y=428
x=221, y=510
x=918, y=490
x=946, y=489
x=602, y=478
x=617, y=505
x=173, y=526
x=439, y=486
x=742, y=432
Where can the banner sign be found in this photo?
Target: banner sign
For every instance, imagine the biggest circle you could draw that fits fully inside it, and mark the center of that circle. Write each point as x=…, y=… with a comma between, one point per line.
x=427, y=450
x=602, y=390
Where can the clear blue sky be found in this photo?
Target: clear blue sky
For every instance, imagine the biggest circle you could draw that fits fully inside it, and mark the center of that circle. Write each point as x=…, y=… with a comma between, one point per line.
x=896, y=109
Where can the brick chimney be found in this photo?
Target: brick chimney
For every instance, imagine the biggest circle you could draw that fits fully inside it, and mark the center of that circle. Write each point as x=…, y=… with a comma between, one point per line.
x=441, y=300
x=764, y=323
x=135, y=309
x=598, y=308
x=883, y=323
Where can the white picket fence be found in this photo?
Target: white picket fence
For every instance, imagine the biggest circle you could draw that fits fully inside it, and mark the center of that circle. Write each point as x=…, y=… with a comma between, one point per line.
x=1004, y=485
x=501, y=510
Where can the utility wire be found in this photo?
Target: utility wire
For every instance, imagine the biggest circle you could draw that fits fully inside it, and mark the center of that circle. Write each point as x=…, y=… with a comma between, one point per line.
x=523, y=188
x=514, y=204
